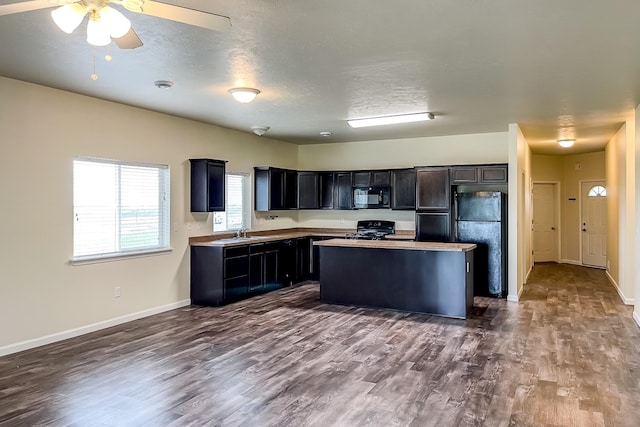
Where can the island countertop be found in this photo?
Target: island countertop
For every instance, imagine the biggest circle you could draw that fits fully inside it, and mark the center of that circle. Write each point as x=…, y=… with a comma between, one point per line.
x=394, y=244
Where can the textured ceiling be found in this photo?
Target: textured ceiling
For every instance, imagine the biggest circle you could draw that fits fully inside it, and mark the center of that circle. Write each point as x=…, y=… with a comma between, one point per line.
x=554, y=67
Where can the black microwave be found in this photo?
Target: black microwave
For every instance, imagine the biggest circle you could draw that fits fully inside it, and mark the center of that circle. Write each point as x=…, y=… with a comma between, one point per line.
x=370, y=197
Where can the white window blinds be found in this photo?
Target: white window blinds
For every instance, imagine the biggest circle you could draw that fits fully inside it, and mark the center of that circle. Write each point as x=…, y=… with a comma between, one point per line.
x=236, y=212
x=119, y=208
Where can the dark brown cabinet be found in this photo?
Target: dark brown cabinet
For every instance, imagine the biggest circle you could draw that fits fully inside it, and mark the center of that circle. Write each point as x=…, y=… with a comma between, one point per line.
x=207, y=185
x=433, y=192
x=480, y=174
x=375, y=178
x=343, y=198
x=308, y=197
x=275, y=189
x=403, y=189
x=326, y=189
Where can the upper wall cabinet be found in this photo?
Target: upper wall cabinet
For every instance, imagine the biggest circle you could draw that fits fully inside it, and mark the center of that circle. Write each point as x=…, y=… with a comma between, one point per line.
x=403, y=189
x=343, y=193
x=377, y=178
x=308, y=190
x=275, y=189
x=481, y=174
x=433, y=189
x=207, y=185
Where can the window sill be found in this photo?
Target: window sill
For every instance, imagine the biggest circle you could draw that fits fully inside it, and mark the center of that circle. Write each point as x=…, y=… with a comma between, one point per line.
x=94, y=259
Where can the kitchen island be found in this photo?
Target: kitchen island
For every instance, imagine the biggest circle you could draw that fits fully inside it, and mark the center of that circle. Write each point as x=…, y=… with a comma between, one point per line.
x=424, y=277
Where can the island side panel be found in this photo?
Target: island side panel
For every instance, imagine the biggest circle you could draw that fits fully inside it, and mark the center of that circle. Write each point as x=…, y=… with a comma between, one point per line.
x=433, y=282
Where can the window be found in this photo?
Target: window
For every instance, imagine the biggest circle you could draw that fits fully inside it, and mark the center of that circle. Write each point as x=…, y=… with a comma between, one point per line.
x=237, y=204
x=119, y=208
x=597, y=191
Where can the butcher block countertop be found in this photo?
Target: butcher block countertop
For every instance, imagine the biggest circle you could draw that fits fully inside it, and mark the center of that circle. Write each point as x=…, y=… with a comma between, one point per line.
x=392, y=244
x=224, y=240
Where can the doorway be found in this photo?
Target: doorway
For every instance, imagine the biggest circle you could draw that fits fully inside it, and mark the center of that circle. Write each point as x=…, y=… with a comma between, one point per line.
x=593, y=196
x=544, y=222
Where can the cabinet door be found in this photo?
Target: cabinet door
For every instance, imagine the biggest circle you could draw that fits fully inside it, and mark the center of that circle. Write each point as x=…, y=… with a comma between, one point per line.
x=276, y=189
x=287, y=261
x=326, y=189
x=464, y=175
x=271, y=277
x=256, y=279
x=290, y=189
x=380, y=178
x=308, y=190
x=236, y=288
x=303, y=258
x=343, y=192
x=207, y=185
x=361, y=179
x=494, y=174
x=403, y=189
x=433, y=227
x=432, y=189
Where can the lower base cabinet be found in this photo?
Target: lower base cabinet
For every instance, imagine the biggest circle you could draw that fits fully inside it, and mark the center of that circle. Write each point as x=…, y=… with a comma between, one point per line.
x=225, y=274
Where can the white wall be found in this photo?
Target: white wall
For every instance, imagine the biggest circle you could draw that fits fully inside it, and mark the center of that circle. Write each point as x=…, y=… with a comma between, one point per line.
x=41, y=130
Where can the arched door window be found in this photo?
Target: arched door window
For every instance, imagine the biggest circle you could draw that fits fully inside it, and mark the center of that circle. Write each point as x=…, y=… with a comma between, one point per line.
x=597, y=191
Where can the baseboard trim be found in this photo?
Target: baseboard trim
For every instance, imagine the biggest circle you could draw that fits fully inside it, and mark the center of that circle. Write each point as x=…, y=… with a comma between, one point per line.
x=515, y=298
x=625, y=300
x=570, y=261
x=636, y=317
x=72, y=333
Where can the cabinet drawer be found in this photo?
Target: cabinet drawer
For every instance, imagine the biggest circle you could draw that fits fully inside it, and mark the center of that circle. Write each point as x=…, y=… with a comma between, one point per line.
x=236, y=266
x=257, y=248
x=234, y=251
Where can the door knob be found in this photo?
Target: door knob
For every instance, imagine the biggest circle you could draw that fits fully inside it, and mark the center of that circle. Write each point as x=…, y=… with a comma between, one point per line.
x=584, y=229
x=553, y=228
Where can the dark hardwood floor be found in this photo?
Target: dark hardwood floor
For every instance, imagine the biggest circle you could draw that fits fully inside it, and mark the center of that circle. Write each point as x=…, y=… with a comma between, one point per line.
x=567, y=355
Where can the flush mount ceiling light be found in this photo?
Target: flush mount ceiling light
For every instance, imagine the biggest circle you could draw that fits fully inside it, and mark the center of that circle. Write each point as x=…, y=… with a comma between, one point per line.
x=260, y=130
x=325, y=134
x=244, y=94
x=390, y=120
x=566, y=143
x=163, y=84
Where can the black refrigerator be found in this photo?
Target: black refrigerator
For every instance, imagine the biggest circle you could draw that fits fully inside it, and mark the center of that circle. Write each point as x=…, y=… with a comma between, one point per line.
x=481, y=218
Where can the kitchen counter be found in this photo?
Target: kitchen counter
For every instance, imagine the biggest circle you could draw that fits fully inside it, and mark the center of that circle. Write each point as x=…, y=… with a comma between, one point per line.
x=225, y=240
x=393, y=244
x=423, y=277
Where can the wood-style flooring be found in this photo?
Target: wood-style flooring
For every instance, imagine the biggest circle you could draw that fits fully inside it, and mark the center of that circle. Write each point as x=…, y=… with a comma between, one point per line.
x=567, y=355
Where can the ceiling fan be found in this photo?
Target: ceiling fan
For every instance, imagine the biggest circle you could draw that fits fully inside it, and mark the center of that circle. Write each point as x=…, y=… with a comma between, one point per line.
x=107, y=24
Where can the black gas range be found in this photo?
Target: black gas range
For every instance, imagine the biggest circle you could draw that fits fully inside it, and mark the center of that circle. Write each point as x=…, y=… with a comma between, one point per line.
x=373, y=230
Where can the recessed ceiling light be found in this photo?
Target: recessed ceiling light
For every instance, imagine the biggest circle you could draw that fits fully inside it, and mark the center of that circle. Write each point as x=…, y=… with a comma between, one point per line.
x=244, y=94
x=566, y=143
x=390, y=120
x=325, y=134
x=163, y=84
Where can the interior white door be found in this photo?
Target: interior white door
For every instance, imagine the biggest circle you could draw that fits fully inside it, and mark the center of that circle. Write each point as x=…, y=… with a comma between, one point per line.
x=544, y=223
x=594, y=224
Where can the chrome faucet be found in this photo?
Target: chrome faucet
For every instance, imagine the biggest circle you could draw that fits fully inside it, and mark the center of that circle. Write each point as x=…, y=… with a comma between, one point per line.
x=242, y=232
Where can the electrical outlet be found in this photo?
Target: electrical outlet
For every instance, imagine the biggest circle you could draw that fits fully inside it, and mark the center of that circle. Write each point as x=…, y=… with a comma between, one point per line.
x=189, y=226
x=116, y=292
x=341, y=220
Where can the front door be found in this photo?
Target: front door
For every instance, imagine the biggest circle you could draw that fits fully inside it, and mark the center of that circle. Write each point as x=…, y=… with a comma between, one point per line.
x=544, y=223
x=594, y=223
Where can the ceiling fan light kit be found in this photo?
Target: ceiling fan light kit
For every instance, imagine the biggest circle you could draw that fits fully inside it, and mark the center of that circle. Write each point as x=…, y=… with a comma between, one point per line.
x=68, y=17
x=390, y=120
x=244, y=94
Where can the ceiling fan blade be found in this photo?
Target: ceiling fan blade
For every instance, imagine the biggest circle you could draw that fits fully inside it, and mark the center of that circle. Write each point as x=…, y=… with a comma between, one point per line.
x=129, y=40
x=198, y=18
x=25, y=6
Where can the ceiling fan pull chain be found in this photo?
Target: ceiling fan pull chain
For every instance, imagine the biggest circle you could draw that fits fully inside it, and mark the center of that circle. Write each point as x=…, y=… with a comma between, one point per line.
x=94, y=76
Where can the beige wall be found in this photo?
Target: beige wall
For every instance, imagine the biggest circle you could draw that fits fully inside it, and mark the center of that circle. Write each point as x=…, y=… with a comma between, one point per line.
x=562, y=169
x=635, y=148
x=519, y=258
x=615, y=172
x=41, y=130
